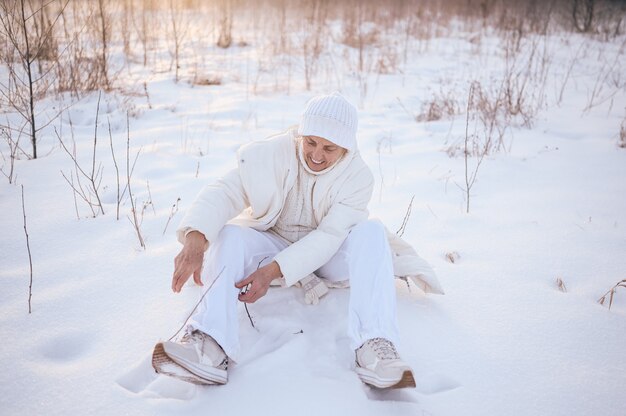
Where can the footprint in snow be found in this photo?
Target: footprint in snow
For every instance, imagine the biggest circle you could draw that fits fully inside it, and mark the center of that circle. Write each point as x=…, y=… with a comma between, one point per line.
x=66, y=347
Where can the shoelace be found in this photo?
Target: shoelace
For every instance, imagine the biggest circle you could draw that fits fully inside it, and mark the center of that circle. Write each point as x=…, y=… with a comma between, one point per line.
x=384, y=348
x=191, y=336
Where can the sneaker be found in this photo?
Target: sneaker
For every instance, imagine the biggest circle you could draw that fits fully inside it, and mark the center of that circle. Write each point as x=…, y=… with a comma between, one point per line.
x=201, y=355
x=379, y=365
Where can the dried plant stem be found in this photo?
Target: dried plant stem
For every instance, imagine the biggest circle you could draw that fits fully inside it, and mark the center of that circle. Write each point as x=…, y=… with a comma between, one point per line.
x=402, y=228
x=611, y=292
x=30, y=259
x=94, y=175
x=118, y=199
x=134, y=219
x=245, y=305
x=173, y=212
x=470, y=178
x=197, y=304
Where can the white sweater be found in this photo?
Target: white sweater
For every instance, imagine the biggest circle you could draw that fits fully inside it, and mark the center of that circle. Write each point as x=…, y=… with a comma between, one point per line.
x=254, y=195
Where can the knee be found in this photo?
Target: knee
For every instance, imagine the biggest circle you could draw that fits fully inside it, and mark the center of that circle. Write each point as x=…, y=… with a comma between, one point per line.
x=369, y=229
x=229, y=234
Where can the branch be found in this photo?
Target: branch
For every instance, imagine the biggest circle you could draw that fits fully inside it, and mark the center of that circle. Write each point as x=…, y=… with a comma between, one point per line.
x=30, y=259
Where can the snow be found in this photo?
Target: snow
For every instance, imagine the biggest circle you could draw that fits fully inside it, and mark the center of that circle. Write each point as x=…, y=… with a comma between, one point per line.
x=502, y=340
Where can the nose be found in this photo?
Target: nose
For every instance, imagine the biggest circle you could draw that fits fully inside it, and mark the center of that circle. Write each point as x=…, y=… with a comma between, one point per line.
x=317, y=154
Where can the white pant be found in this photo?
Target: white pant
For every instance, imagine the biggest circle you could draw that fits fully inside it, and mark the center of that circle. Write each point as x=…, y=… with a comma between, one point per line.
x=364, y=258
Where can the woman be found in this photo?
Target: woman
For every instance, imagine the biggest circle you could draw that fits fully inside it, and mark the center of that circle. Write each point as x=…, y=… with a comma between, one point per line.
x=294, y=209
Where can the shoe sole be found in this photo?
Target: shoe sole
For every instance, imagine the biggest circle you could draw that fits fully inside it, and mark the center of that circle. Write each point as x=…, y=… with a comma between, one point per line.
x=371, y=379
x=163, y=364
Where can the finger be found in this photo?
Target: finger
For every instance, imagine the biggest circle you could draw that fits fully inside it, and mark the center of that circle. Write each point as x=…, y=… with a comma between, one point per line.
x=180, y=278
x=197, y=278
x=244, y=282
x=249, y=297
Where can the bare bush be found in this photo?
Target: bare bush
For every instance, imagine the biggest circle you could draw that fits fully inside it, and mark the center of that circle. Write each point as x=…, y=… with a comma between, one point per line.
x=225, y=38
x=178, y=30
x=28, y=28
x=439, y=106
x=89, y=193
x=582, y=14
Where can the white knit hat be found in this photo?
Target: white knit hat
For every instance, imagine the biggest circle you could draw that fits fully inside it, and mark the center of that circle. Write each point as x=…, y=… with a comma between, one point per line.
x=331, y=117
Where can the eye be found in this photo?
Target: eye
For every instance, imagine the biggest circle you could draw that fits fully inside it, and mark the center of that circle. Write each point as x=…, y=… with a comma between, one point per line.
x=310, y=142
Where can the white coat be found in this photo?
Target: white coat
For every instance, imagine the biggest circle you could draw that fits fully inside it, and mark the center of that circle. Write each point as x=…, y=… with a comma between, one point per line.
x=253, y=195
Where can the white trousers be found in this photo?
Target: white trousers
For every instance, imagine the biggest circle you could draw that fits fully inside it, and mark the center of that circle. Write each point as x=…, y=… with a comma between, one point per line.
x=364, y=258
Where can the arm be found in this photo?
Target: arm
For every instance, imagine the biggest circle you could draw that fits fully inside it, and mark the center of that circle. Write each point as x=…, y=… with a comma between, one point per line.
x=214, y=206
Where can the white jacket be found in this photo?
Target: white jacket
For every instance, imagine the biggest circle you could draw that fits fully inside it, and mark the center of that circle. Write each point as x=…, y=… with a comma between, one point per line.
x=253, y=195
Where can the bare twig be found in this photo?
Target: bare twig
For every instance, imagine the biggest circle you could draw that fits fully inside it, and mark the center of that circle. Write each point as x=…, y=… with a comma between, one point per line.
x=245, y=289
x=134, y=219
x=197, y=304
x=118, y=199
x=30, y=259
x=402, y=228
x=173, y=212
x=150, y=196
x=561, y=285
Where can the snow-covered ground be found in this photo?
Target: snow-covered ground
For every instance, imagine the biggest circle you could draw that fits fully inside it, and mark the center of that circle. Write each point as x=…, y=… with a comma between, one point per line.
x=504, y=340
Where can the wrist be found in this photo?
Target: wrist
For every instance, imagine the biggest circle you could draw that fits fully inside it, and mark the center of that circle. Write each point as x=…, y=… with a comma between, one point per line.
x=195, y=239
x=274, y=270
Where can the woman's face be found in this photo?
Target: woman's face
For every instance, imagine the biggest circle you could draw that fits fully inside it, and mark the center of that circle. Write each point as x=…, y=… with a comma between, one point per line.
x=320, y=153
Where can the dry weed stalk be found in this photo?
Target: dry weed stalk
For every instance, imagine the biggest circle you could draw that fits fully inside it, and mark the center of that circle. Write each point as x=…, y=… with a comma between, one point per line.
x=30, y=259
x=402, y=228
x=173, y=212
x=197, y=304
x=13, y=145
x=611, y=293
x=608, y=76
x=470, y=177
x=118, y=198
x=453, y=256
x=561, y=285
x=134, y=220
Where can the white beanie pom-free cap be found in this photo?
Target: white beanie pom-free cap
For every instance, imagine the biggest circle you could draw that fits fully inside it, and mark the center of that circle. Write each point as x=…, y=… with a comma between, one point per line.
x=331, y=117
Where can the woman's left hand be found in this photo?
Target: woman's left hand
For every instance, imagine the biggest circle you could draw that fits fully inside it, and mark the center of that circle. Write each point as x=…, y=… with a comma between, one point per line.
x=259, y=282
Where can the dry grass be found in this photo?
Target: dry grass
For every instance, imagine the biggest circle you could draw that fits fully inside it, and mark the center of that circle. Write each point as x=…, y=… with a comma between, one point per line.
x=453, y=257
x=611, y=293
x=441, y=105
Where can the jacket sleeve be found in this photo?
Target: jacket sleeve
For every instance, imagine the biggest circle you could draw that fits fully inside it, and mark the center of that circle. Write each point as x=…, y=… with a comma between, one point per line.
x=214, y=206
x=316, y=248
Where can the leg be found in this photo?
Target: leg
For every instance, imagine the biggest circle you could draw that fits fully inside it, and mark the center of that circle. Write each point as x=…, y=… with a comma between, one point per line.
x=235, y=254
x=365, y=259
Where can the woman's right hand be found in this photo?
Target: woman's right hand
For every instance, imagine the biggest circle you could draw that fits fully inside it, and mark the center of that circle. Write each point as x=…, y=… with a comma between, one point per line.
x=189, y=260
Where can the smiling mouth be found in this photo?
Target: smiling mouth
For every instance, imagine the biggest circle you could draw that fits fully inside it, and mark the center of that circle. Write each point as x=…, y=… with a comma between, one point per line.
x=316, y=161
